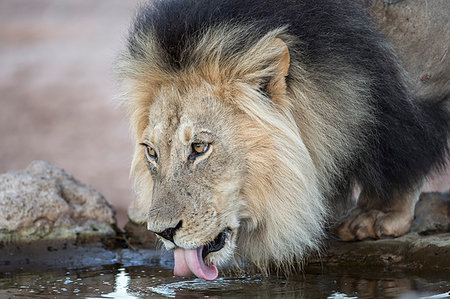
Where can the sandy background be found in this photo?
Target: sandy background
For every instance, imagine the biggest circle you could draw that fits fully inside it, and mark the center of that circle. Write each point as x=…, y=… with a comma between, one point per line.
x=58, y=95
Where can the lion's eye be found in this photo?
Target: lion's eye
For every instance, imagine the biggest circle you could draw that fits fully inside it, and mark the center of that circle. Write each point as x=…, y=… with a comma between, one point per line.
x=151, y=153
x=200, y=148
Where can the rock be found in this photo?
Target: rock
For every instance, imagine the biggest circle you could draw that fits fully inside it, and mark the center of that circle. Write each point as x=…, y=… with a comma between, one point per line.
x=45, y=202
x=432, y=214
x=138, y=235
x=411, y=252
x=420, y=33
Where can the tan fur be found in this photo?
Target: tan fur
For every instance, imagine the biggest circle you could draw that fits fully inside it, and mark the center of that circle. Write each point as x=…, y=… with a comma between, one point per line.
x=271, y=161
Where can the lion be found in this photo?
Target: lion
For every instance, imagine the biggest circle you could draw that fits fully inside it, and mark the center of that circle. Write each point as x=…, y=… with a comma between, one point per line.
x=254, y=120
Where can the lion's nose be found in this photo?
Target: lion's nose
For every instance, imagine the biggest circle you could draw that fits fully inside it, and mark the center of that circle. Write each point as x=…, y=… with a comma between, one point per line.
x=169, y=232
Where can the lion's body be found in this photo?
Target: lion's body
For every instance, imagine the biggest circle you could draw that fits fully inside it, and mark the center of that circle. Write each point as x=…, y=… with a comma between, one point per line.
x=299, y=102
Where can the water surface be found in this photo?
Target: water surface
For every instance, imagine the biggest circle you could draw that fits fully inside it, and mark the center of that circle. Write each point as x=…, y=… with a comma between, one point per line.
x=118, y=281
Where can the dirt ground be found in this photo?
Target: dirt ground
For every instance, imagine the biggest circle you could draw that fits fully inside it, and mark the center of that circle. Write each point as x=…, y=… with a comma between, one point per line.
x=58, y=95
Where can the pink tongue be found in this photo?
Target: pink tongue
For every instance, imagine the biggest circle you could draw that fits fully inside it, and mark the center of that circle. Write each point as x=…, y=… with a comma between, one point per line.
x=190, y=261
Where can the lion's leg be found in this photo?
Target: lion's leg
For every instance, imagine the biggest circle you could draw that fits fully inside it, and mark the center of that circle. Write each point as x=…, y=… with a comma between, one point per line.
x=374, y=218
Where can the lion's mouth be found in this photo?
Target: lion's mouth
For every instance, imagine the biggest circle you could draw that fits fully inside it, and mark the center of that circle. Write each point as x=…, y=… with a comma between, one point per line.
x=217, y=244
x=192, y=261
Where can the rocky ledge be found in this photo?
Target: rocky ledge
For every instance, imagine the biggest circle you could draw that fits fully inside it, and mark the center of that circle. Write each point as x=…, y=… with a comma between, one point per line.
x=425, y=249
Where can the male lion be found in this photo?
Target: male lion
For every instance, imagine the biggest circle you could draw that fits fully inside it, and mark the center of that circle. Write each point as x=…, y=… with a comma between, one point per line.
x=253, y=119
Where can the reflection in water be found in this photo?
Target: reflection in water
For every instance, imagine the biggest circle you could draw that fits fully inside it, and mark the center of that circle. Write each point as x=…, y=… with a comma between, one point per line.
x=158, y=282
x=338, y=295
x=121, y=287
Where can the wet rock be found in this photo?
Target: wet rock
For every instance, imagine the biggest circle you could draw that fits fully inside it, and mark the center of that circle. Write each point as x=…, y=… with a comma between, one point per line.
x=45, y=202
x=412, y=252
x=432, y=214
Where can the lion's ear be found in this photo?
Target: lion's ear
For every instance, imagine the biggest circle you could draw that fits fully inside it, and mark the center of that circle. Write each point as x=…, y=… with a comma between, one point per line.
x=275, y=86
x=284, y=58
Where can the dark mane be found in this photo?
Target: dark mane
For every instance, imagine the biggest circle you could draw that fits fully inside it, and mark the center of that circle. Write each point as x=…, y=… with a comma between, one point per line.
x=324, y=27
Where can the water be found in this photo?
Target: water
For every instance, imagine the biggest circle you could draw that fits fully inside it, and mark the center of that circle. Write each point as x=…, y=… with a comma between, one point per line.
x=157, y=282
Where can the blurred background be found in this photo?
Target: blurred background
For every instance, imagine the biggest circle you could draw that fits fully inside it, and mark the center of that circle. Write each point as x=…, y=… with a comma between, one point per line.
x=58, y=93
x=59, y=97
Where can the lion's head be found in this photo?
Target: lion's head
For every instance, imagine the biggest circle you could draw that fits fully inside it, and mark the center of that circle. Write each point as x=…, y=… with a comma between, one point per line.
x=220, y=167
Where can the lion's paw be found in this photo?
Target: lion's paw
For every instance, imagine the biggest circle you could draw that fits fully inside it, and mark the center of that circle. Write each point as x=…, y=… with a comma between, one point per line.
x=374, y=224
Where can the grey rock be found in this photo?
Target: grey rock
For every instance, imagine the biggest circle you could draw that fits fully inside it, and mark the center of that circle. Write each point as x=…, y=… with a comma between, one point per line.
x=432, y=214
x=45, y=202
x=420, y=33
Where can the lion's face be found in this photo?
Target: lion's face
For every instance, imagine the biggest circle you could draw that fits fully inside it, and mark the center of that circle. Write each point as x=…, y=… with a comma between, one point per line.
x=221, y=169
x=197, y=166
